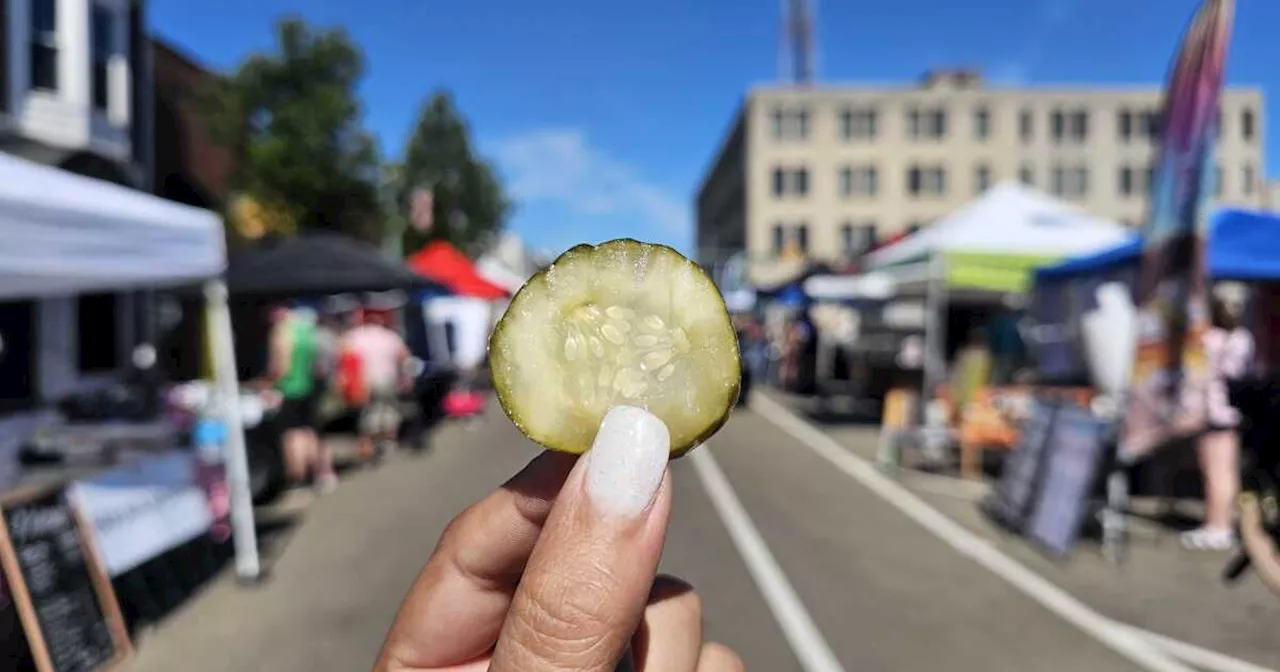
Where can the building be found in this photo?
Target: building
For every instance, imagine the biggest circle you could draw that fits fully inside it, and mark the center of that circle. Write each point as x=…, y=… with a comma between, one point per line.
x=188, y=166
x=823, y=172
x=75, y=92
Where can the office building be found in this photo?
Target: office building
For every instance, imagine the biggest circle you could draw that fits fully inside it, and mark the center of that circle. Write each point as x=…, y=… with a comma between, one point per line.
x=823, y=172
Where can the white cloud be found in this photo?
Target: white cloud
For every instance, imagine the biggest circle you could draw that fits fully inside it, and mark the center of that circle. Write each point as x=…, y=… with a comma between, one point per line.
x=1049, y=15
x=560, y=165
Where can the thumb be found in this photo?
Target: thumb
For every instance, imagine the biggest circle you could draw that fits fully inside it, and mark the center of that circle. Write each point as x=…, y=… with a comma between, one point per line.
x=584, y=590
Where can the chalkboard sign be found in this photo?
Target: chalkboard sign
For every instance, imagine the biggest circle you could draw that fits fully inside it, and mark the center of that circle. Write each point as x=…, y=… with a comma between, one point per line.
x=1024, y=469
x=69, y=616
x=1074, y=455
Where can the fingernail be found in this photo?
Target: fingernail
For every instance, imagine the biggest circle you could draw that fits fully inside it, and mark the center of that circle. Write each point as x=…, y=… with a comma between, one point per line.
x=627, y=460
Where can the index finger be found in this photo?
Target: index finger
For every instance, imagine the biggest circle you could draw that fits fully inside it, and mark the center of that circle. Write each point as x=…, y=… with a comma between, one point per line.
x=456, y=607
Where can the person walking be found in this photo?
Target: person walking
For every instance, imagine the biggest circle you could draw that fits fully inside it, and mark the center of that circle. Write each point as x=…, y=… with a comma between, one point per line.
x=294, y=351
x=382, y=355
x=1229, y=348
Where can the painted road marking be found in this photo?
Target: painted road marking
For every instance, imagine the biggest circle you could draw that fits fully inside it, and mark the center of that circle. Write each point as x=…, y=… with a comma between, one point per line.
x=1206, y=659
x=797, y=625
x=1126, y=642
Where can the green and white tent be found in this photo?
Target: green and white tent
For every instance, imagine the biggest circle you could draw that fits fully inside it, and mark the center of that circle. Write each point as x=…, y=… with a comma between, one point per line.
x=992, y=245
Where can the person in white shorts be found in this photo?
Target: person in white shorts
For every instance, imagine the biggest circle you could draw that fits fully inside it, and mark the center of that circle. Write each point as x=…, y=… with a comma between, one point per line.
x=383, y=356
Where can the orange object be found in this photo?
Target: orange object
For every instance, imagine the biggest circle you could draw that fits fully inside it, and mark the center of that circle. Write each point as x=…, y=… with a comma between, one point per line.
x=350, y=379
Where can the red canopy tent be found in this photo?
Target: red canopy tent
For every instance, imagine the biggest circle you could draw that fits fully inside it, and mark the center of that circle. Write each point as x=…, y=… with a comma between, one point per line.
x=443, y=263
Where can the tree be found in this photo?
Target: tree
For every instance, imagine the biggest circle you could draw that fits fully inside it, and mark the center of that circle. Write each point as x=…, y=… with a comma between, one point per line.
x=468, y=205
x=293, y=119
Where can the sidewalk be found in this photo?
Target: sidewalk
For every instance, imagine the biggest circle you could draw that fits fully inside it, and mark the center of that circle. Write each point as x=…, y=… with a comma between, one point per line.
x=1160, y=587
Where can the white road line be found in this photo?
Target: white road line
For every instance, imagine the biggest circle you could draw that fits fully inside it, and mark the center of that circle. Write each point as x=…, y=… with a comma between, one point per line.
x=1203, y=658
x=797, y=625
x=1136, y=648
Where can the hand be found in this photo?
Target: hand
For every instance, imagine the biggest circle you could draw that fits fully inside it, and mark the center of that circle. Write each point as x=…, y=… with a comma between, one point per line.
x=556, y=571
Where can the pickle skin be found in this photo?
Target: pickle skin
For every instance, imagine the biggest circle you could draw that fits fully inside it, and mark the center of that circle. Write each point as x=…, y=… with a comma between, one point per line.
x=505, y=388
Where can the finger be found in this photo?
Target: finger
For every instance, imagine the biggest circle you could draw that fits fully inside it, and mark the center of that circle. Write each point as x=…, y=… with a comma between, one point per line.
x=670, y=634
x=586, y=585
x=719, y=658
x=456, y=607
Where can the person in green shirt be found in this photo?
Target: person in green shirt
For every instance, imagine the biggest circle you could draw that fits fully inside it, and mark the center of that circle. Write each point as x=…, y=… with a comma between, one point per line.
x=293, y=372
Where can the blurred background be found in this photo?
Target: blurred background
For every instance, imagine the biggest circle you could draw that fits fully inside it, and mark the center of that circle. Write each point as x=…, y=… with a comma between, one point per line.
x=251, y=254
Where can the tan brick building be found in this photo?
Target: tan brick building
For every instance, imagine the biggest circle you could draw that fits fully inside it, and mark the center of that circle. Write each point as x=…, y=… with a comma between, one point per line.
x=824, y=171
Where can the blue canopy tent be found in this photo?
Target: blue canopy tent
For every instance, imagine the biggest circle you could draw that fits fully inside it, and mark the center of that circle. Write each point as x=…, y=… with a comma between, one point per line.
x=1243, y=246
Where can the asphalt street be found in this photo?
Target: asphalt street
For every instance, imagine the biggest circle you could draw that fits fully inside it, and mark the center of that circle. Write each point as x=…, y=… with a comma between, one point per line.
x=882, y=592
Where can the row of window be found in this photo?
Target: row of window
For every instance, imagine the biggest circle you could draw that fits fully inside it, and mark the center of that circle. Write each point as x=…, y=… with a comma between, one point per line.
x=44, y=49
x=931, y=180
x=855, y=237
x=930, y=123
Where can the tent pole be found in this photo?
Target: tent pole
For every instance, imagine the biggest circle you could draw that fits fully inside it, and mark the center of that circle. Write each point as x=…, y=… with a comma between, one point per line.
x=226, y=382
x=935, y=331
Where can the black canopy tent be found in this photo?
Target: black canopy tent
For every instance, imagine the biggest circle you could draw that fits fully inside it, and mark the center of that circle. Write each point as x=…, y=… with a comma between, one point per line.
x=304, y=267
x=317, y=264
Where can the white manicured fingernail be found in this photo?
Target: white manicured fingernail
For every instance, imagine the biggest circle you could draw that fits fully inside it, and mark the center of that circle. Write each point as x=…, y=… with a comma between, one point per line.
x=627, y=460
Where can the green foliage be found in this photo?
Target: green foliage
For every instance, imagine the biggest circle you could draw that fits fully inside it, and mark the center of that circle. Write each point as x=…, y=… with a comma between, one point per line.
x=469, y=205
x=294, y=120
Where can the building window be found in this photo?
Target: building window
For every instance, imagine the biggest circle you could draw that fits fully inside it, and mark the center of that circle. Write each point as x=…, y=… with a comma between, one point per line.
x=981, y=123
x=1126, y=181
x=779, y=182
x=790, y=124
x=1057, y=125
x=800, y=181
x=103, y=37
x=1151, y=120
x=1216, y=186
x=981, y=179
x=802, y=238
x=928, y=124
x=44, y=45
x=1080, y=181
x=856, y=239
x=779, y=238
x=1027, y=175
x=1026, y=126
x=860, y=181
x=926, y=181
x=97, y=333
x=1247, y=124
x=1124, y=125
x=858, y=124
x=1080, y=125
x=1069, y=183
x=1247, y=179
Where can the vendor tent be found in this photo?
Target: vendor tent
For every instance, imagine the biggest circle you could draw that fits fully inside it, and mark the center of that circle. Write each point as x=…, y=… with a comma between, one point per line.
x=317, y=264
x=66, y=233
x=1243, y=245
x=994, y=243
x=443, y=263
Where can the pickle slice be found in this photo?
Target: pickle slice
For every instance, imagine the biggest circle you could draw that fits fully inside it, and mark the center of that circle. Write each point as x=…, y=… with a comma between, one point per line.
x=624, y=322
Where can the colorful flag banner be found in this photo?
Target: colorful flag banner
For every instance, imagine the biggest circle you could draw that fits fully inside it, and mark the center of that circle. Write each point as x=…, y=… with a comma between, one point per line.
x=1168, y=393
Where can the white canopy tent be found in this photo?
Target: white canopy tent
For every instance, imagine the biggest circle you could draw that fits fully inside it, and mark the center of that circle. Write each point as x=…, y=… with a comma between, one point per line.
x=66, y=234
x=988, y=248
x=993, y=242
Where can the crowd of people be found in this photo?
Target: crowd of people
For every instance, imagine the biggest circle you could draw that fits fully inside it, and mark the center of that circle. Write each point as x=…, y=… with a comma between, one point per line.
x=323, y=364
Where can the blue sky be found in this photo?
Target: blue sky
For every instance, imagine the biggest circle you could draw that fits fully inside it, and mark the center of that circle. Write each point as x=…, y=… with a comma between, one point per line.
x=602, y=115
